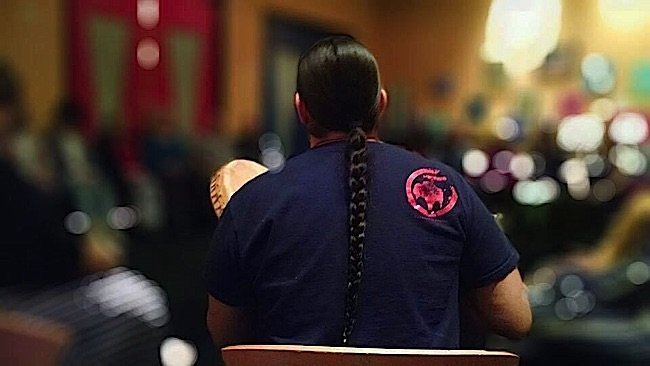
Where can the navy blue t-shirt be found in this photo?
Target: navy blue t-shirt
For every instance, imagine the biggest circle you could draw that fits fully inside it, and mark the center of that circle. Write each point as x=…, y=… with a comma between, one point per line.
x=281, y=248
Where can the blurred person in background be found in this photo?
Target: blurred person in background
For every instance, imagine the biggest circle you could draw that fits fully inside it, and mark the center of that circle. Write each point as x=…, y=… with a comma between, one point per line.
x=36, y=248
x=357, y=242
x=165, y=160
x=116, y=317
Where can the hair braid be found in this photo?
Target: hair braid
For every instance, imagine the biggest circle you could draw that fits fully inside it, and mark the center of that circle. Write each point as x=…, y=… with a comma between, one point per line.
x=357, y=183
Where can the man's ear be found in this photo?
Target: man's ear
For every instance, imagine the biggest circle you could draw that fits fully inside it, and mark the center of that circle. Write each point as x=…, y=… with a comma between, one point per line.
x=383, y=101
x=301, y=109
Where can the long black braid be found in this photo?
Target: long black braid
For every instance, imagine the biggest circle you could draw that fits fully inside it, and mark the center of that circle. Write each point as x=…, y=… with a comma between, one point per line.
x=338, y=80
x=357, y=184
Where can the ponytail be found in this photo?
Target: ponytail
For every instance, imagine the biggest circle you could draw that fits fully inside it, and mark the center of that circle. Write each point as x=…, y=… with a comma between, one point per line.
x=357, y=184
x=338, y=81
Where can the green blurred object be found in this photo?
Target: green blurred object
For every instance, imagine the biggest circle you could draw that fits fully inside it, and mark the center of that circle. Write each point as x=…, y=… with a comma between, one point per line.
x=108, y=39
x=185, y=49
x=640, y=82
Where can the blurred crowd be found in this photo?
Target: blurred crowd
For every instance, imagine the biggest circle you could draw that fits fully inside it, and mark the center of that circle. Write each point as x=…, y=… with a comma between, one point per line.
x=76, y=209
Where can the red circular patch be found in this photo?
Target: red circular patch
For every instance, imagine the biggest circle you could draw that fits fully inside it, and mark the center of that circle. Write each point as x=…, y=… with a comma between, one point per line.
x=429, y=192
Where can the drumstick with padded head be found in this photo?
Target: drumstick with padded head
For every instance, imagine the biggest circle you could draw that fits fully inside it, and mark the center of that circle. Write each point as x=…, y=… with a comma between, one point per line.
x=228, y=179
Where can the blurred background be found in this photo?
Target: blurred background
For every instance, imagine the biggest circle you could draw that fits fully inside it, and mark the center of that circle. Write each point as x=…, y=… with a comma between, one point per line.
x=114, y=114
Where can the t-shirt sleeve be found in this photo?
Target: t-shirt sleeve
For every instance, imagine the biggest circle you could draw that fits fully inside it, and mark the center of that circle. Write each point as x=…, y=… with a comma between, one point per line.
x=488, y=255
x=225, y=275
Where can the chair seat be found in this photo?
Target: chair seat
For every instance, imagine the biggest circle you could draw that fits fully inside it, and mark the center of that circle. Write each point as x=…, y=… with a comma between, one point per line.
x=293, y=355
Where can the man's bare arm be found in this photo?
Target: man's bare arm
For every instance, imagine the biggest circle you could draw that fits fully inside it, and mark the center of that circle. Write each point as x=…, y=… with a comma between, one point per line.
x=228, y=325
x=504, y=306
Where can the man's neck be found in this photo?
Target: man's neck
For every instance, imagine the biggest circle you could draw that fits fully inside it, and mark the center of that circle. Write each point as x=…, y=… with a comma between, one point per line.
x=334, y=136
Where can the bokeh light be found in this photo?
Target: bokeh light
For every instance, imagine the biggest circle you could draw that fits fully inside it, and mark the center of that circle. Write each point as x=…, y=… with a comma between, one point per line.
x=544, y=275
x=501, y=160
x=77, y=222
x=123, y=291
x=148, y=13
x=177, y=352
x=272, y=152
x=475, y=162
x=638, y=273
x=521, y=33
x=522, y=166
x=604, y=190
x=571, y=283
x=579, y=191
x=628, y=159
x=573, y=171
x=122, y=218
x=148, y=53
x=629, y=128
x=506, y=129
x=493, y=182
x=598, y=73
x=535, y=193
x=596, y=165
x=581, y=133
x=541, y=294
x=563, y=309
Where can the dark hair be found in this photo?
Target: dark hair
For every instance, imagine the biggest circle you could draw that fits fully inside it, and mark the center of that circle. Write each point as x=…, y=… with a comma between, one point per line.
x=338, y=82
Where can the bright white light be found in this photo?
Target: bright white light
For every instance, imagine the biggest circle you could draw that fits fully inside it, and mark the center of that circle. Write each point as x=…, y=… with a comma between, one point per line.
x=581, y=133
x=493, y=182
x=521, y=33
x=177, y=352
x=628, y=159
x=579, y=191
x=506, y=129
x=573, y=171
x=475, y=163
x=604, y=190
x=272, y=152
x=638, y=273
x=522, y=166
x=604, y=108
x=535, y=193
x=598, y=73
x=501, y=160
x=148, y=53
x=629, y=128
x=625, y=15
x=122, y=291
x=77, y=222
x=148, y=13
